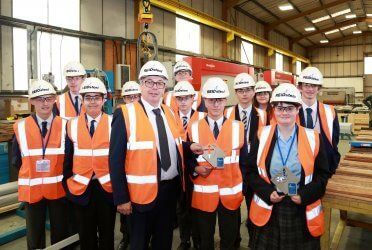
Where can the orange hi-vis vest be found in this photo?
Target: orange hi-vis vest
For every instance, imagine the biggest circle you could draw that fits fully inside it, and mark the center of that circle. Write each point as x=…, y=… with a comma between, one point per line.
x=195, y=117
x=326, y=115
x=35, y=185
x=90, y=154
x=170, y=101
x=223, y=184
x=230, y=114
x=141, y=166
x=260, y=211
x=66, y=107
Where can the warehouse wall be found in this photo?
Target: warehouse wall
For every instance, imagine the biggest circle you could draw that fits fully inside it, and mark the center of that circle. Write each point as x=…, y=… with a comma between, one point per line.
x=107, y=17
x=343, y=63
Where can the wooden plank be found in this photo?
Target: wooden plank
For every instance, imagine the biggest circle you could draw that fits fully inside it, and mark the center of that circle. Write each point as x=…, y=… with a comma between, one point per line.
x=338, y=233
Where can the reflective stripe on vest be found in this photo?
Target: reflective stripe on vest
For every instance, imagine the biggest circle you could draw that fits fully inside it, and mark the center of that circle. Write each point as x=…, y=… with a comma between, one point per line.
x=262, y=115
x=25, y=151
x=40, y=181
x=168, y=98
x=262, y=203
x=62, y=106
x=329, y=117
x=141, y=179
x=229, y=112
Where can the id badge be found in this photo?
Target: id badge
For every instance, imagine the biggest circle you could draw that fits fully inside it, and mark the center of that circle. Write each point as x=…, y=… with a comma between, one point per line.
x=219, y=162
x=292, y=189
x=43, y=166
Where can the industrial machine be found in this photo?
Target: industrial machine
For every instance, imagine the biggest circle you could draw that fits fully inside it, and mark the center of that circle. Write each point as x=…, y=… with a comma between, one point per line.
x=337, y=96
x=274, y=77
x=205, y=68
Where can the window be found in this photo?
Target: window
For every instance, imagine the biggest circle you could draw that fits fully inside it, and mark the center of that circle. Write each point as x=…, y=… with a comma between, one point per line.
x=298, y=67
x=187, y=35
x=179, y=57
x=56, y=52
x=278, y=61
x=246, y=52
x=57, y=49
x=368, y=65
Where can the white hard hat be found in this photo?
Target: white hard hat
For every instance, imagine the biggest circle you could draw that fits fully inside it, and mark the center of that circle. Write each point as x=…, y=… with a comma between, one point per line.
x=215, y=87
x=92, y=85
x=182, y=65
x=74, y=69
x=130, y=88
x=311, y=75
x=243, y=80
x=183, y=88
x=286, y=92
x=153, y=68
x=39, y=88
x=262, y=86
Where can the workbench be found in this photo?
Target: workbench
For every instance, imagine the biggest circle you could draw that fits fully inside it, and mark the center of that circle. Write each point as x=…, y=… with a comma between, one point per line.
x=349, y=190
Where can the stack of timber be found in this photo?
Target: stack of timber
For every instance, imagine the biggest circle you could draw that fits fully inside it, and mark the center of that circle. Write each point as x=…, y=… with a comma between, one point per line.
x=6, y=130
x=8, y=197
x=364, y=135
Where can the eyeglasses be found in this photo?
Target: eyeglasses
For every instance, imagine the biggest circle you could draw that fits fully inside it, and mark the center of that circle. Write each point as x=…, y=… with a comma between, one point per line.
x=45, y=99
x=74, y=78
x=217, y=101
x=245, y=90
x=288, y=109
x=95, y=98
x=183, y=72
x=183, y=98
x=150, y=84
x=131, y=97
x=309, y=85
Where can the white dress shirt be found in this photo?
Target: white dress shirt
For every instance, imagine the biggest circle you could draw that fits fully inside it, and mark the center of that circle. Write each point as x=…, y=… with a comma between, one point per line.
x=97, y=119
x=314, y=114
x=188, y=115
x=172, y=171
x=219, y=123
x=40, y=121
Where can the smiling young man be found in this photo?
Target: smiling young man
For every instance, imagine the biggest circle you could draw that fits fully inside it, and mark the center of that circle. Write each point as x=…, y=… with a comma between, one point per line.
x=217, y=191
x=38, y=151
x=86, y=171
x=319, y=116
x=69, y=104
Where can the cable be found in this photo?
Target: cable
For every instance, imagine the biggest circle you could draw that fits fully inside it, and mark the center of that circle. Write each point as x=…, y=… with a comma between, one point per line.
x=31, y=65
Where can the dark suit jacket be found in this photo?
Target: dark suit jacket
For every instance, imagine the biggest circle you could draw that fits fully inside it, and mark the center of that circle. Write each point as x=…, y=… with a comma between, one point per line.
x=331, y=149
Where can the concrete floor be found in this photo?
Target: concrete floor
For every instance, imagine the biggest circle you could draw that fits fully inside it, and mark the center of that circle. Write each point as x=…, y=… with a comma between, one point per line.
x=352, y=238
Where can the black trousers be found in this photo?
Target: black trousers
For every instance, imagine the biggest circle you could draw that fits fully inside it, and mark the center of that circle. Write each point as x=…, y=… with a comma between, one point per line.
x=35, y=222
x=97, y=216
x=228, y=221
x=157, y=223
x=187, y=227
x=124, y=226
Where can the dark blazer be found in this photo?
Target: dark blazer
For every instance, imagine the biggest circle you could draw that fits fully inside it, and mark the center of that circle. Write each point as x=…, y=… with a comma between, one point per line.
x=331, y=149
x=117, y=153
x=309, y=193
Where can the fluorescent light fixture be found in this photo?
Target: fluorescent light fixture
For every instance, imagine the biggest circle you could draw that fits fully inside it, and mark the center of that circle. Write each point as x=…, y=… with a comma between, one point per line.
x=320, y=19
x=349, y=16
x=369, y=25
x=310, y=29
x=285, y=6
x=339, y=13
x=331, y=32
x=348, y=27
x=369, y=15
x=324, y=41
x=357, y=32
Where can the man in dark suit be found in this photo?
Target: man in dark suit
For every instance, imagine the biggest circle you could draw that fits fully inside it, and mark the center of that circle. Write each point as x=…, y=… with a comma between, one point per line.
x=146, y=162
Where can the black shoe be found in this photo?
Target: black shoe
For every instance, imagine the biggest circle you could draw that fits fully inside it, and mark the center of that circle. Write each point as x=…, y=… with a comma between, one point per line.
x=123, y=244
x=184, y=246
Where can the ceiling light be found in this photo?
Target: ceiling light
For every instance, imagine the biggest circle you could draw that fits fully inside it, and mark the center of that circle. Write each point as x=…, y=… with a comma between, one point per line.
x=357, y=32
x=324, y=41
x=331, y=32
x=369, y=25
x=349, y=16
x=320, y=19
x=369, y=15
x=286, y=6
x=309, y=28
x=348, y=27
x=339, y=13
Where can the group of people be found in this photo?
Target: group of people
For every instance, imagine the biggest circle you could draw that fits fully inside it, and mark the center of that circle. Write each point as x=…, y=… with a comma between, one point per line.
x=176, y=157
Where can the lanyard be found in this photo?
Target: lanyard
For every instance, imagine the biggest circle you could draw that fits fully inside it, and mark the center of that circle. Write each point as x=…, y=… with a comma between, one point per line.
x=290, y=147
x=44, y=142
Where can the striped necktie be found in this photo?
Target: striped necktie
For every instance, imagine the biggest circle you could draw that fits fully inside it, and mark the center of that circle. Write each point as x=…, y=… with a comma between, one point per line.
x=244, y=119
x=184, y=122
